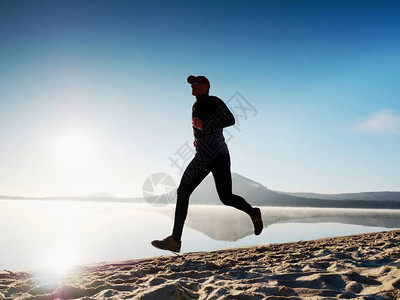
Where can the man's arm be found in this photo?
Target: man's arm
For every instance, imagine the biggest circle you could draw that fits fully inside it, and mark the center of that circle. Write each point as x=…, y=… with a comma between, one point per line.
x=223, y=116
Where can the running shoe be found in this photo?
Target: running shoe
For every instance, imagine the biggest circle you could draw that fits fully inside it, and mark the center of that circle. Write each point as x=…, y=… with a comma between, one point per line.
x=257, y=222
x=168, y=243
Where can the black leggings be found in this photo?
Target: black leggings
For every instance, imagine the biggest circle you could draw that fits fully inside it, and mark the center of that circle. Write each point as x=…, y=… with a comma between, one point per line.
x=194, y=174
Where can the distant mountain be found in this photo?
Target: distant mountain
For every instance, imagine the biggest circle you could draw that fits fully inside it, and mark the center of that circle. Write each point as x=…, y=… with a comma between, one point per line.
x=375, y=196
x=258, y=194
x=100, y=195
x=253, y=191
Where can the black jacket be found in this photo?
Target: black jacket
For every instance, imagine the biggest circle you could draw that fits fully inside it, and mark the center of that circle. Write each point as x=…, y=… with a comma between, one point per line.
x=215, y=116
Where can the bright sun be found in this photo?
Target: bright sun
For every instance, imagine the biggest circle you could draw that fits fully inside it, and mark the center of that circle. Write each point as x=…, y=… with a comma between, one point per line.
x=77, y=163
x=73, y=149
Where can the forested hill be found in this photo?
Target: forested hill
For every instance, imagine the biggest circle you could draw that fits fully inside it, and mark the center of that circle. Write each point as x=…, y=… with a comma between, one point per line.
x=374, y=196
x=258, y=194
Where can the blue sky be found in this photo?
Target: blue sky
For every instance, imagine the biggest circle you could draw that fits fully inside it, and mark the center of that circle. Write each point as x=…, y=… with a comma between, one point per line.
x=93, y=94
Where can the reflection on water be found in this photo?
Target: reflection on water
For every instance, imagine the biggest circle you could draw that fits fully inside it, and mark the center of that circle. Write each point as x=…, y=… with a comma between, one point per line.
x=38, y=234
x=230, y=225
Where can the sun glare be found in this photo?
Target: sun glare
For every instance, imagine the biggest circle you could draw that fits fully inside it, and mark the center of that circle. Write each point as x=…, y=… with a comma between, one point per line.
x=77, y=163
x=74, y=148
x=61, y=259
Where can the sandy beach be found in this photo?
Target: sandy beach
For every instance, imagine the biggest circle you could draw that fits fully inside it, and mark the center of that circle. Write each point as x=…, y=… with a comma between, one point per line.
x=365, y=266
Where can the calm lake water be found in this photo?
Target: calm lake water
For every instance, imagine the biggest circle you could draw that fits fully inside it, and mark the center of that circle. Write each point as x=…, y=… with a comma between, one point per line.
x=42, y=234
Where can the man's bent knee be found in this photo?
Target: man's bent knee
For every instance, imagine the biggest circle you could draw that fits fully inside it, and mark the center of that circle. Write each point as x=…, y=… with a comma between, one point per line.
x=226, y=199
x=183, y=191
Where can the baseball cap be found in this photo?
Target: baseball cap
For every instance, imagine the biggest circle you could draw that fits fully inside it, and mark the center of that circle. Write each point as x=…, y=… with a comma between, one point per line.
x=201, y=79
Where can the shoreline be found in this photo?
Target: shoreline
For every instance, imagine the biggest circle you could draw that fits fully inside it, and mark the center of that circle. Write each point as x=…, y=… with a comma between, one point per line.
x=363, y=266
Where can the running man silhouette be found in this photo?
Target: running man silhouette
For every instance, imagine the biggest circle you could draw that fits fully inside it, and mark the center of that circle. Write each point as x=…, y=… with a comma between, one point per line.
x=209, y=116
